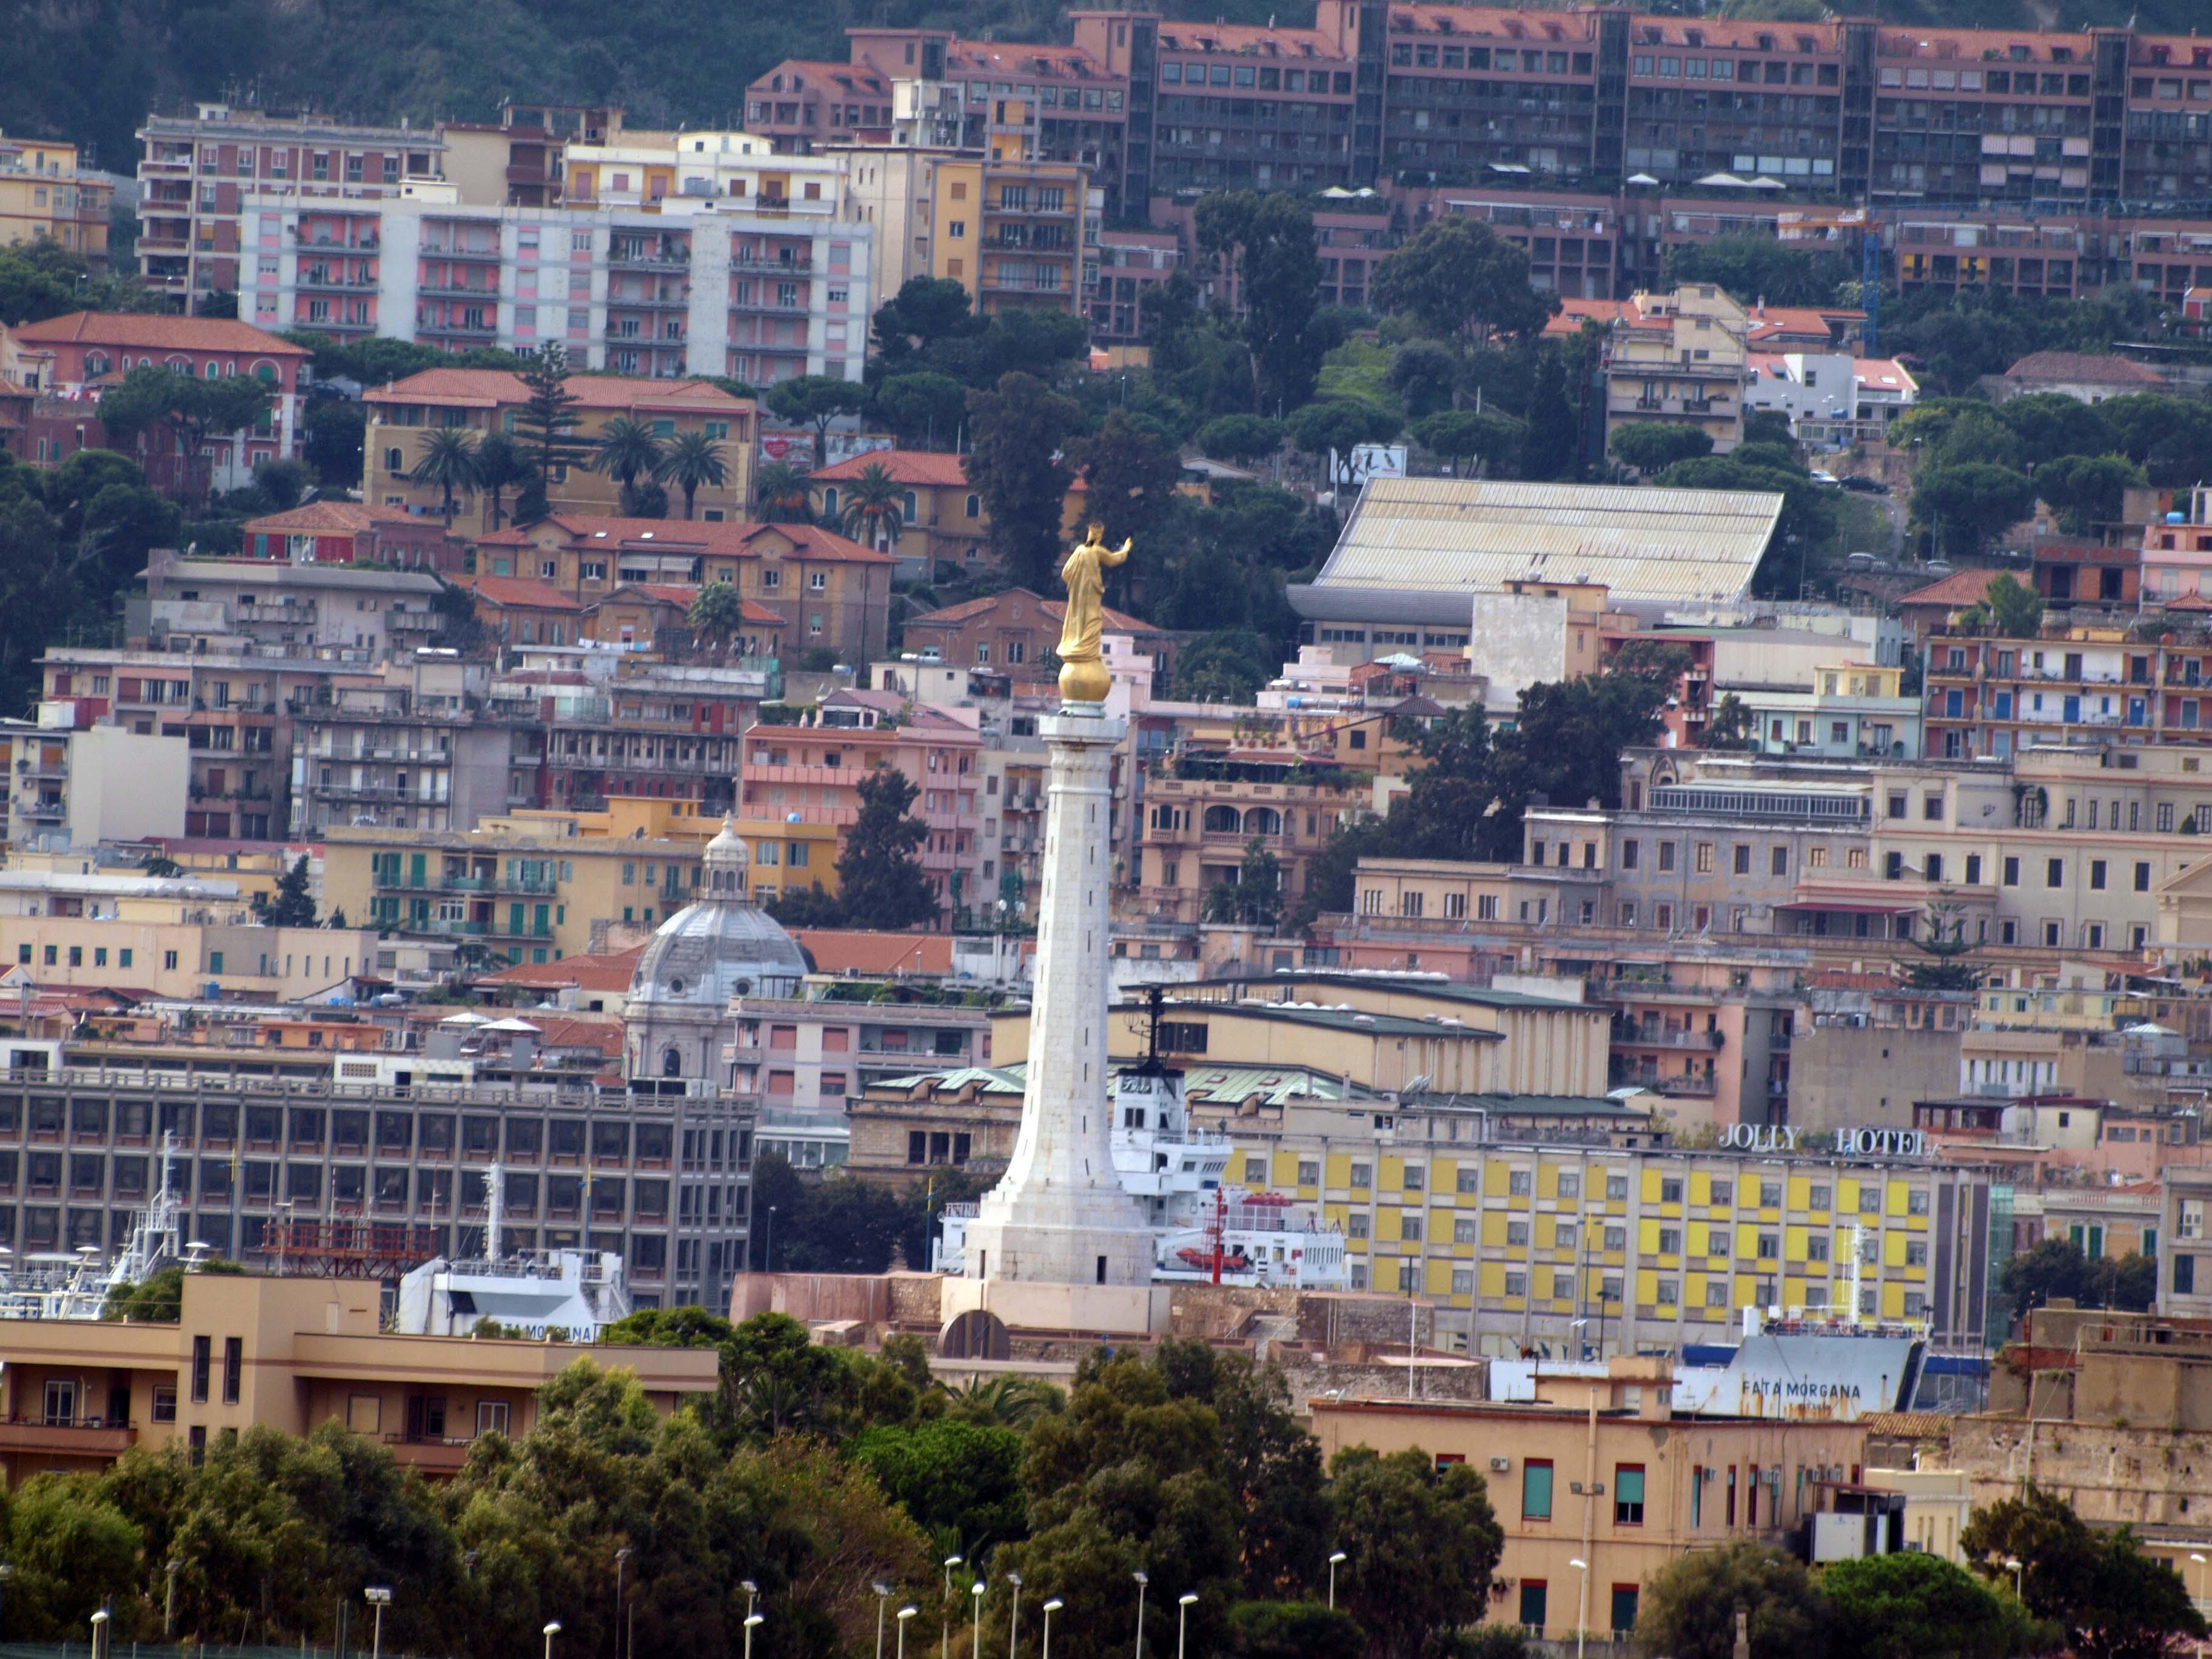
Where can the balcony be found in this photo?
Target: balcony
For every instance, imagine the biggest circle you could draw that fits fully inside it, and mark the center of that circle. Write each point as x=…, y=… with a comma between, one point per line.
x=459, y=291
x=431, y=1455
x=1703, y=1087
x=669, y=259
x=84, y=1436
x=487, y=331
x=1633, y=1036
x=771, y=262
x=321, y=280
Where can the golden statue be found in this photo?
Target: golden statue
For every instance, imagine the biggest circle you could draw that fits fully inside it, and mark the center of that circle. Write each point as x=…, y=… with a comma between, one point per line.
x=1083, y=676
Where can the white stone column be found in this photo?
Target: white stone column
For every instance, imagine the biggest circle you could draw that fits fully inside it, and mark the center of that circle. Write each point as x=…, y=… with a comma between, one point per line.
x=1060, y=1214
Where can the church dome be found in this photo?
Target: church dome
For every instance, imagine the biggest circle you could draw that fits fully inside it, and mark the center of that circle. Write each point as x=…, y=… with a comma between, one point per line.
x=720, y=947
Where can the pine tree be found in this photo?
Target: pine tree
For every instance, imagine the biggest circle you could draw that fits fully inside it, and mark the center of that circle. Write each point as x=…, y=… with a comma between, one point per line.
x=880, y=880
x=1943, y=941
x=293, y=906
x=545, y=424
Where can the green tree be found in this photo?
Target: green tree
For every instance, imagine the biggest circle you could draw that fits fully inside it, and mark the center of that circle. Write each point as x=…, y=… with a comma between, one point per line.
x=1246, y=438
x=692, y=463
x=1130, y=476
x=1945, y=950
x=1269, y=239
x=961, y=1478
x=1459, y=281
x=334, y=433
x=716, y=616
x=924, y=311
x=501, y=467
x=815, y=400
x=1254, y=898
x=2086, y=489
x=72, y=1551
x=627, y=449
x=2008, y=606
x=1422, y=1542
x=1458, y=434
x=545, y=425
x=1230, y=666
x=879, y=880
x=293, y=906
x=1807, y=518
x=874, y=507
x=1653, y=446
x=1733, y=725
x=1336, y=426
x=2056, y=1270
x=446, y=460
x=1969, y=505
x=2170, y=438
x=119, y=527
x=1552, y=448
x=283, y=482
x=2111, y=1600
x=1753, y=267
x=2050, y=424
x=780, y=491
x=192, y=410
x=1423, y=373
x=1018, y=428
x=1914, y=1606
x=925, y=409
x=1687, y=1608
x=1295, y=1629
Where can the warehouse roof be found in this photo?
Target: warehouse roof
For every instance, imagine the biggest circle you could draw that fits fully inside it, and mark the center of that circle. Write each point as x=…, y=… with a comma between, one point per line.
x=1456, y=536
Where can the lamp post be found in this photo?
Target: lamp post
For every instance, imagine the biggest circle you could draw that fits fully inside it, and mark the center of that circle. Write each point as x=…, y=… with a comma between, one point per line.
x=975, y=1615
x=904, y=1613
x=1014, y=1623
x=753, y=1622
x=752, y=1594
x=1050, y=1608
x=7, y=1571
x=1335, y=1560
x=1182, y=1618
x=169, y=1598
x=945, y=1635
x=378, y=1596
x=552, y=1630
x=768, y=1253
x=99, y=1634
x=2019, y=1568
x=1583, y=1567
x=1142, y=1582
x=883, y=1601
x=621, y=1566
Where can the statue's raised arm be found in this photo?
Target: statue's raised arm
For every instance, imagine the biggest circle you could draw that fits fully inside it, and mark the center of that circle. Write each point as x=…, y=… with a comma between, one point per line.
x=1083, y=676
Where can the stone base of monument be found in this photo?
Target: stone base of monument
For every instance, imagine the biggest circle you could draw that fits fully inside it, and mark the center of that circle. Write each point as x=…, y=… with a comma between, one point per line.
x=1036, y=1305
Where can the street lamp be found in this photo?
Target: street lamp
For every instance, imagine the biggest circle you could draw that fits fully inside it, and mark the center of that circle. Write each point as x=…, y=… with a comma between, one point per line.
x=883, y=1600
x=1050, y=1608
x=1182, y=1618
x=378, y=1596
x=975, y=1615
x=945, y=1635
x=552, y=1630
x=99, y=1634
x=2018, y=1567
x=621, y=1564
x=1334, y=1561
x=169, y=1598
x=768, y=1253
x=752, y=1594
x=1014, y=1624
x=1582, y=1607
x=904, y=1613
x=2199, y=1561
x=753, y=1622
x=1142, y=1582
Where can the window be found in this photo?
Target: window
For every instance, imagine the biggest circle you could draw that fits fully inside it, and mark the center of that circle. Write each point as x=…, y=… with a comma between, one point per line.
x=234, y=1368
x=1628, y=1495
x=1536, y=1489
x=1742, y=860
x=1362, y=1175
x=1670, y=1241
x=2054, y=873
x=491, y=1416
x=203, y=1357
x=1517, y=1183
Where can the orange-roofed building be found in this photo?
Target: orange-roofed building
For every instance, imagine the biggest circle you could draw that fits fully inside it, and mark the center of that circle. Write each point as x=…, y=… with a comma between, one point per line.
x=943, y=520
x=597, y=983
x=867, y=954
x=829, y=590
x=349, y=532
x=1012, y=632
x=402, y=414
x=513, y=611
x=657, y=616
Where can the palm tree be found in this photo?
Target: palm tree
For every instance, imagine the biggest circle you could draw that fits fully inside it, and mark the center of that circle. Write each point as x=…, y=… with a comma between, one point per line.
x=501, y=464
x=781, y=490
x=628, y=448
x=449, y=461
x=875, y=505
x=717, y=614
x=692, y=459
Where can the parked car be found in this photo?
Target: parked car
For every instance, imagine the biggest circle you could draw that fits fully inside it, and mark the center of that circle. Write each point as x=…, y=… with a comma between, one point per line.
x=1866, y=486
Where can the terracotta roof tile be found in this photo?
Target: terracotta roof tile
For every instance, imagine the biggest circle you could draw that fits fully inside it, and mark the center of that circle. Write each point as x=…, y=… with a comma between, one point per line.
x=330, y=515
x=156, y=333
x=906, y=466
x=1959, y=589
x=842, y=950
x=489, y=387
x=611, y=970
x=513, y=591
x=725, y=540
x=2093, y=368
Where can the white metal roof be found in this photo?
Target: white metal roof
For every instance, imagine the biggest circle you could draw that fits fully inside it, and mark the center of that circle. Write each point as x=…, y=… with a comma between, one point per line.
x=1445, y=535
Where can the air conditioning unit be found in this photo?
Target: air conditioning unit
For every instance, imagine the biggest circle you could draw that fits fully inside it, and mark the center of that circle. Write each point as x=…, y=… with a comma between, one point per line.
x=1499, y=1465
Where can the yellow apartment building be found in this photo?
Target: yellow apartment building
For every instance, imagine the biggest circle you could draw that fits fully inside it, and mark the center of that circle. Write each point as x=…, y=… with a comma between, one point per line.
x=789, y=858
x=289, y=1354
x=485, y=400
x=1681, y=359
x=1599, y=1471
x=528, y=885
x=46, y=196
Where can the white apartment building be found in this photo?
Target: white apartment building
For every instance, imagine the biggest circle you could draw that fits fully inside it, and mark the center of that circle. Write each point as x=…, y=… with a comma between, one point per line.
x=754, y=286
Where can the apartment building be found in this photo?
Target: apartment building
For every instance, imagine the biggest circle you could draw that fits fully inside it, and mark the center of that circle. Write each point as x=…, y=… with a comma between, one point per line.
x=78, y=781
x=2074, y=684
x=827, y=591
x=943, y=527
x=1681, y=359
x=719, y=277
x=1131, y=264
x=529, y=884
x=252, y=604
x=197, y=172
x=1012, y=631
x=1853, y=710
x=812, y=773
x=412, y=747
x=347, y=532
x=1197, y=829
x=490, y=399
x=66, y=358
x=1650, y=1485
x=295, y=1353
x=47, y=195
x=517, y=161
